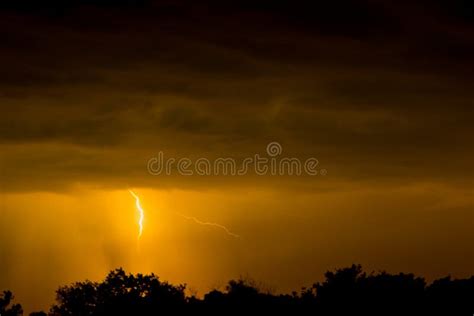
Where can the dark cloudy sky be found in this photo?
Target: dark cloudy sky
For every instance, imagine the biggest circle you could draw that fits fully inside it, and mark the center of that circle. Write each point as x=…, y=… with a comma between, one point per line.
x=380, y=92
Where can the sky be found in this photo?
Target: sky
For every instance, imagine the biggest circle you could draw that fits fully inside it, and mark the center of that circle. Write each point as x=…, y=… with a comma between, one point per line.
x=379, y=92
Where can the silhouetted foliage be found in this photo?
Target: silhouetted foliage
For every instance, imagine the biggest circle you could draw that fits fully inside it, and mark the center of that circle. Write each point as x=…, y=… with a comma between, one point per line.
x=6, y=306
x=453, y=297
x=119, y=294
x=343, y=291
x=350, y=289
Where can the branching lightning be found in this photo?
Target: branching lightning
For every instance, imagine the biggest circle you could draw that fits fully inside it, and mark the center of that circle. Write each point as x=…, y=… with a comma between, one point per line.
x=141, y=213
x=194, y=219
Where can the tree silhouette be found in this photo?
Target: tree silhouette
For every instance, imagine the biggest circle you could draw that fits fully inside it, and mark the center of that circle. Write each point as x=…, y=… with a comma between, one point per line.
x=343, y=291
x=6, y=306
x=119, y=294
x=352, y=290
x=446, y=296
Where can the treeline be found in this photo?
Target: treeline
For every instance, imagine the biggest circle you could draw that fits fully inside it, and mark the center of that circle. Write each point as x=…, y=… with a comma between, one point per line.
x=348, y=291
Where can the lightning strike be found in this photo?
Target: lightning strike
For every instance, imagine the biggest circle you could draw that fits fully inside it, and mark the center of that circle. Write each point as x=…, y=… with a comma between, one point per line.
x=194, y=219
x=141, y=213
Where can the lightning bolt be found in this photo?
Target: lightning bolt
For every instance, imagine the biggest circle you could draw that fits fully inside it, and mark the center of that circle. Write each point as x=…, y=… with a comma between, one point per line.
x=194, y=219
x=141, y=213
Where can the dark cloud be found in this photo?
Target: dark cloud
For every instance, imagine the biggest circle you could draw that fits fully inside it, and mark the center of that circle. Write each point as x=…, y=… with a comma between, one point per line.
x=375, y=83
